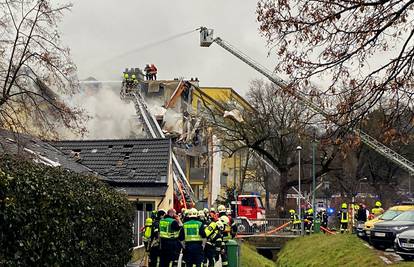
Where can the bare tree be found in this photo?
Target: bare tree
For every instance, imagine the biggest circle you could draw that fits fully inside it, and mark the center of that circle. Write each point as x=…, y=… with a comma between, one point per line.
x=273, y=128
x=358, y=161
x=362, y=50
x=35, y=70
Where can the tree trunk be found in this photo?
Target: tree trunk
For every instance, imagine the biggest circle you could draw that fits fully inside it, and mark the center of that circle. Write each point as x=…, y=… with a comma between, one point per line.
x=267, y=191
x=282, y=192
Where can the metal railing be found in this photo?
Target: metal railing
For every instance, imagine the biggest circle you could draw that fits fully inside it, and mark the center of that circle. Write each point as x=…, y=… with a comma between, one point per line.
x=270, y=226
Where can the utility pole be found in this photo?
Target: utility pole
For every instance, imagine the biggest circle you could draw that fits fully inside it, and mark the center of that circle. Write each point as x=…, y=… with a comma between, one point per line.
x=299, y=148
x=313, y=174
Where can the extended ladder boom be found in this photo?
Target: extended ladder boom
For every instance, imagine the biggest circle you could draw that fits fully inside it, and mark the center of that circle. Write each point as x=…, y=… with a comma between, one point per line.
x=207, y=39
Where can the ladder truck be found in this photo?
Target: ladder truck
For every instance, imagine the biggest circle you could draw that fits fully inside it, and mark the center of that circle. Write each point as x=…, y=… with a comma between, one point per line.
x=183, y=193
x=207, y=38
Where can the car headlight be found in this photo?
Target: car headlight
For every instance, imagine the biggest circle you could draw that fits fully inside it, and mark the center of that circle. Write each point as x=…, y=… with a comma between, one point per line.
x=400, y=228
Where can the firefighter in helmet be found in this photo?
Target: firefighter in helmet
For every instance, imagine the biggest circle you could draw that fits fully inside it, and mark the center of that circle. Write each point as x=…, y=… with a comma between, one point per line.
x=344, y=218
x=170, y=226
x=192, y=235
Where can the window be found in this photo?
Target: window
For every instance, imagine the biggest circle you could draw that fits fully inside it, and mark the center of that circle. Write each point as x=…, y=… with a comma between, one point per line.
x=145, y=205
x=390, y=214
x=406, y=216
x=248, y=202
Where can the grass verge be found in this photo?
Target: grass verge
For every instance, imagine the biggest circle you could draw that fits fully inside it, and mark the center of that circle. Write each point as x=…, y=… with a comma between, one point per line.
x=249, y=257
x=329, y=250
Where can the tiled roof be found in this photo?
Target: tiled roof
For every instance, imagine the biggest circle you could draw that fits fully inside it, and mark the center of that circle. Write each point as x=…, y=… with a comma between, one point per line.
x=142, y=161
x=39, y=151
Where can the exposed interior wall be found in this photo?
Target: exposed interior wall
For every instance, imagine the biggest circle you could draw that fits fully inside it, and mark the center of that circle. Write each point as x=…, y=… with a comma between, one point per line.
x=216, y=173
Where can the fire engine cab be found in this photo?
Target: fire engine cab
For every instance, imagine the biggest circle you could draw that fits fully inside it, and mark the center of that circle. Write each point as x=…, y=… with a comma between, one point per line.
x=250, y=213
x=250, y=206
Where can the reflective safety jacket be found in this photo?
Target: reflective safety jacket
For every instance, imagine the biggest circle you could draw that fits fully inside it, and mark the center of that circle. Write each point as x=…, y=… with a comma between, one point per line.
x=166, y=230
x=148, y=229
x=344, y=216
x=210, y=229
x=192, y=231
x=294, y=218
x=377, y=211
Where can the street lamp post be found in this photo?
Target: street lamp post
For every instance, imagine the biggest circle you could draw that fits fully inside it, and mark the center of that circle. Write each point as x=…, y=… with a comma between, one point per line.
x=299, y=148
x=313, y=175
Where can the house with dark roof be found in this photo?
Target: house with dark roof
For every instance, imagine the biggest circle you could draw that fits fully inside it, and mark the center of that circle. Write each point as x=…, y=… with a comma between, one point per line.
x=141, y=168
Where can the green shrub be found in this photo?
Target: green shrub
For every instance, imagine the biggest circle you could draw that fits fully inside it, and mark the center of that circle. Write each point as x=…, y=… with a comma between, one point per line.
x=53, y=217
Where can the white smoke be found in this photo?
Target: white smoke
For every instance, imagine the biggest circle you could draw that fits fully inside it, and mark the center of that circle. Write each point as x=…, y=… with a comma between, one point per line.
x=111, y=117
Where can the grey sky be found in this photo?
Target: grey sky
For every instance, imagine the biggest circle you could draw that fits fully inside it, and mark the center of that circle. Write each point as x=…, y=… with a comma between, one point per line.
x=99, y=30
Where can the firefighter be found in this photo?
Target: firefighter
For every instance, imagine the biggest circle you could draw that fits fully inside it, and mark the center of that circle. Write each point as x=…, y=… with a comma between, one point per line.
x=147, y=70
x=219, y=244
x=324, y=218
x=134, y=80
x=230, y=230
x=170, y=227
x=153, y=72
x=202, y=217
x=148, y=230
x=213, y=215
x=377, y=211
x=213, y=234
x=344, y=218
x=207, y=215
x=154, y=242
x=309, y=220
x=126, y=79
x=294, y=219
x=192, y=234
x=185, y=215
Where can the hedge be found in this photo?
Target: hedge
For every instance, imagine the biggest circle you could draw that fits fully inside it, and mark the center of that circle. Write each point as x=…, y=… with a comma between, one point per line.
x=53, y=217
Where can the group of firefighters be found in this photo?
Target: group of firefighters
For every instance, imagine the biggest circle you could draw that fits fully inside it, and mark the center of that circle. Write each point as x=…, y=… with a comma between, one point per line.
x=360, y=212
x=150, y=72
x=131, y=81
x=200, y=235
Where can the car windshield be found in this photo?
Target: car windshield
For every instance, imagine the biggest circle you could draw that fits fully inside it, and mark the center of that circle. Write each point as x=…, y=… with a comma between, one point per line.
x=405, y=216
x=390, y=214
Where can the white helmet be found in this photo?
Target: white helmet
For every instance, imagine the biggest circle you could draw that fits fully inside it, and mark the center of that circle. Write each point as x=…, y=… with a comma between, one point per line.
x=221, y=208
x=224, y=219
x=193, y=213
x=220, y=225
x=201, y=214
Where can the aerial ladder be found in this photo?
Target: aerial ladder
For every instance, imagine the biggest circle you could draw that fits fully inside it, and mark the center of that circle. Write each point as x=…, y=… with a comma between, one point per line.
x=182, y=189
x=207, y=38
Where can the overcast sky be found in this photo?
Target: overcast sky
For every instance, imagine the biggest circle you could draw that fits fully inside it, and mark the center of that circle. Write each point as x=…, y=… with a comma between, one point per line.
x=98, y=31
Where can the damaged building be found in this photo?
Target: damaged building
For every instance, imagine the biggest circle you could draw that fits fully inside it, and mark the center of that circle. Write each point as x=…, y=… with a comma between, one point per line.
x=176, y=105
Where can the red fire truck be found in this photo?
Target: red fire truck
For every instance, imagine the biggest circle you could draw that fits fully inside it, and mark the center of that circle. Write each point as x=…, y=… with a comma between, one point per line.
x=250, y=213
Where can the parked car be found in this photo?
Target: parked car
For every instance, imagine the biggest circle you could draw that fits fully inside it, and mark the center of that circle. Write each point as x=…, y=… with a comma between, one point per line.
x=404, y=245
x=364, y=229
x=383, y=234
